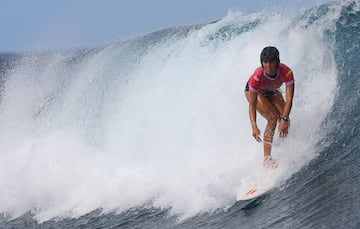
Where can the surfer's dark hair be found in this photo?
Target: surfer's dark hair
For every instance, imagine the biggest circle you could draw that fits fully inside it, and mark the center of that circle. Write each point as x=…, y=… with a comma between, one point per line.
x=270, y=53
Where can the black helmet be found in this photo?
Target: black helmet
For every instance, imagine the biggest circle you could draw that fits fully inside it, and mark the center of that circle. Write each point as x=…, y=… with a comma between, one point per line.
x=270, y=53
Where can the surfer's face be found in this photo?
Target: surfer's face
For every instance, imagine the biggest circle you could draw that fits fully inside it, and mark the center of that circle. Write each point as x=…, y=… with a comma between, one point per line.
x=270, y=67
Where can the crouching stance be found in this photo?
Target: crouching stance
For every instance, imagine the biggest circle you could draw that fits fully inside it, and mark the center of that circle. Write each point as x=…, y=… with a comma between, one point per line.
x=264, y=97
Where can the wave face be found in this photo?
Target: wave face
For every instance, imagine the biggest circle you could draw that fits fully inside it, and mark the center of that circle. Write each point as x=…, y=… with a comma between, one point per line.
x=154, y=131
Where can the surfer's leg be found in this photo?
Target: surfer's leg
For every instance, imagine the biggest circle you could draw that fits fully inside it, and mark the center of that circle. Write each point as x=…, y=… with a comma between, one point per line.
x=269, y=112
x=278, y=102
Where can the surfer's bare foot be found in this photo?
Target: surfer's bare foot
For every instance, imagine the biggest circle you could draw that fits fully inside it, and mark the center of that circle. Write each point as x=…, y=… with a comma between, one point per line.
x=270, y=163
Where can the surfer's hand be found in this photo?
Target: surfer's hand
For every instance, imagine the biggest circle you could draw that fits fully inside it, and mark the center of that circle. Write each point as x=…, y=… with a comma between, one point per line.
x=256, y=133
x=284, y=128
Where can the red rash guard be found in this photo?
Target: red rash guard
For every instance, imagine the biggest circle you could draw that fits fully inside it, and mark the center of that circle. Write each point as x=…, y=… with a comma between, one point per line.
x=259, y=81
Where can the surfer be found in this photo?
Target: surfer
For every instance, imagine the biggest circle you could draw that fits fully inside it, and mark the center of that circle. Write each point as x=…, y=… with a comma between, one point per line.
x=262, y=92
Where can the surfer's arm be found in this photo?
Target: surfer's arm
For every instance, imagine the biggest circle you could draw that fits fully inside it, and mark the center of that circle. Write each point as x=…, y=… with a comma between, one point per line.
x=284, y=121
x=252, y=115
x=289, y=99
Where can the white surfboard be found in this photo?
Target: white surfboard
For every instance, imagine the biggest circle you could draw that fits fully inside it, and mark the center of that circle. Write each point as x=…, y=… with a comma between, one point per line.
x=257, y=185
x=250, y=193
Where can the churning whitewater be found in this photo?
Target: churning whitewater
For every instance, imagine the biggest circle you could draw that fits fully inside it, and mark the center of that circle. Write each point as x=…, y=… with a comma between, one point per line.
x=160, y=121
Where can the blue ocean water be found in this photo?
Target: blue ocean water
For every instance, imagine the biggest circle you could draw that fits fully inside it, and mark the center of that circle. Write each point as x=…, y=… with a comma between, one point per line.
x=153, y=132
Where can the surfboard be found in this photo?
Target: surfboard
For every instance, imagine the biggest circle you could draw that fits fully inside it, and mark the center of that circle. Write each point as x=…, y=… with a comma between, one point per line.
x=257, y=184
x=250, y=193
